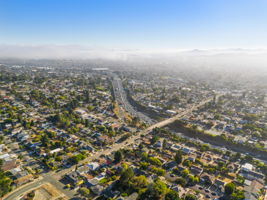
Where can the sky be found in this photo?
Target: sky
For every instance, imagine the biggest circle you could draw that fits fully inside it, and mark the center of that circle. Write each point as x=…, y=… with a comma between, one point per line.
x=135, y=24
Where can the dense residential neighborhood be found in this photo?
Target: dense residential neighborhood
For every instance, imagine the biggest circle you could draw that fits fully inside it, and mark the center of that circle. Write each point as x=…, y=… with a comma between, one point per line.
x=88, y=133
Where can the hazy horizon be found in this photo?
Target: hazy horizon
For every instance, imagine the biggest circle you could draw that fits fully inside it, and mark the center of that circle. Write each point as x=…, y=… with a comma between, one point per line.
x=211, y=33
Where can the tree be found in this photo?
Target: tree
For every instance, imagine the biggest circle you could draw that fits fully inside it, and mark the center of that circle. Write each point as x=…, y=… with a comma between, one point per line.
x=1, y=139
x=185, y=172
x=154, y=139
x=124, y=166
x=84, y=191
x=159, y=188
x=164, y=144
x=178, y=157
x=118, y=156
x=237, y=195
x=155, y=191
x=172, y=195
x=187, y=163
x=45, y=140
x=158, y=171
x=248, y=158
x=193, y=179
x=154, y=161
x=190, y=197
x=126, y=176
x=144, y=165
x=229, y=188
x=139, y=182
x=141, y=146
x=180, y=181
x=5, y=183
x=144, y=156
x=204, y=147
x=77, y=158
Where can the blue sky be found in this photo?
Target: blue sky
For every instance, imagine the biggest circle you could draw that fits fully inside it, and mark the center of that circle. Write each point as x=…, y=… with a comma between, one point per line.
x=147, y=24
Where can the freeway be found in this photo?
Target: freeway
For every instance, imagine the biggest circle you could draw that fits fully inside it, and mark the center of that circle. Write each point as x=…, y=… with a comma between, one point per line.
x=121, y=98
x=54, y=177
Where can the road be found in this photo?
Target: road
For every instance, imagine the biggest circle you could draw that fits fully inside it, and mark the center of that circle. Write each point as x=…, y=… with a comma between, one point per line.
x=47, y=178
x=121, y=98
x=54, y=177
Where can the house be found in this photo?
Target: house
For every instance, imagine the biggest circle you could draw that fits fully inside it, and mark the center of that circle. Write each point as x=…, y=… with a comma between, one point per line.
x=252, y=175
x=231, y=176
x=158, y=144
x=207, y=157
x=161, y=160
x=195, y=170
x=256, y=175
x=225, y=157
x=100, y=176
x=207, y=179
x=8, y=165
x=169, y=165
x=97, y=189
x=82, y=170
x=93, y=166
x=22, y=136
x=218, y=160
x=186, y=150
x=33, y=146
x=169, y=144
x=175, y=147
x=87, y=147
x=171, y=112
x=92, y=182
x=15, y=171
x=21, y=174
x=246, y=167
x=5, y=156
x=181, y=168
x=233, y=167
x=72, y=177
x=166, y=156
x=56, y=150
x=192, y=157
x=106, y=139
x=108, y=193
x=218, y=183
x=22, y=180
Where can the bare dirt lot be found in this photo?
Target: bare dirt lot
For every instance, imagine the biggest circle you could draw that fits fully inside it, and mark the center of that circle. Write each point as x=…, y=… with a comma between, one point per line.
x=48, y=192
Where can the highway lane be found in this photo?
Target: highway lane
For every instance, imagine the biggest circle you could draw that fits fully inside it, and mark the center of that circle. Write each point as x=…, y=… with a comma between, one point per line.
x=121, y=97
